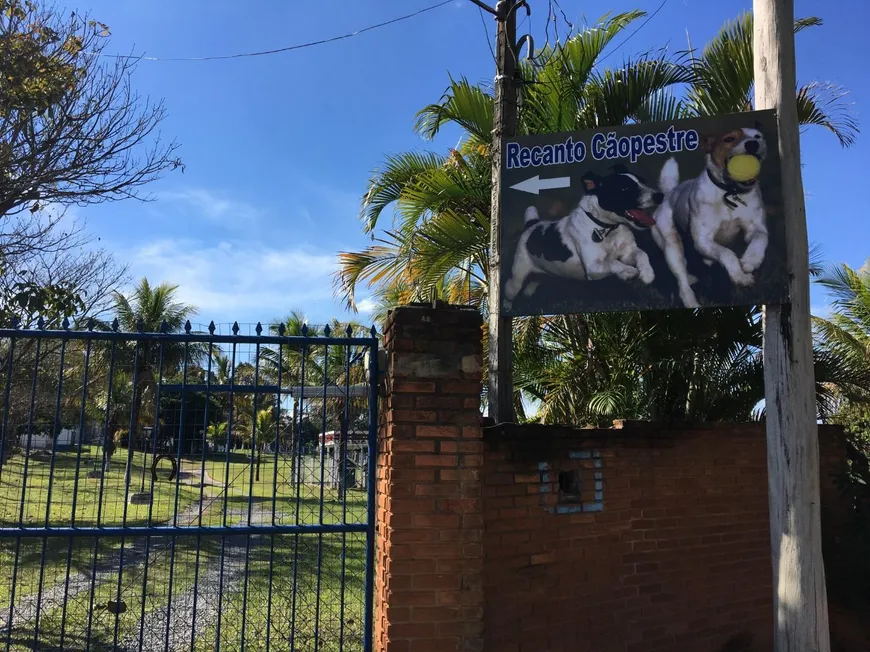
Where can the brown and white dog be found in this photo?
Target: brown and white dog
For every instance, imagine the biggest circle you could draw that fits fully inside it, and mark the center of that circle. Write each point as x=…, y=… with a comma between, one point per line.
x=715, y=210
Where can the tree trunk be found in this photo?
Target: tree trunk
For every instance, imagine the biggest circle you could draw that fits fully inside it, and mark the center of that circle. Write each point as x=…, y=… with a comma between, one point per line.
x=132, y=436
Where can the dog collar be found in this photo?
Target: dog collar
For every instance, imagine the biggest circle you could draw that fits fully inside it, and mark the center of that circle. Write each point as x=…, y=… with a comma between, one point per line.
x=732, y=190
x=598, y=235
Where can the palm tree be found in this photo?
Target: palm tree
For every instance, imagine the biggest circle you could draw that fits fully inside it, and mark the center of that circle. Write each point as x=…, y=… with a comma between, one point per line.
x=724, y=80
x=306, y=366
x=216, y=433
x=152, y=309
x=111, y=401
x=845, y=335
x=579, y=367
x=439, y=240
x=263, y=428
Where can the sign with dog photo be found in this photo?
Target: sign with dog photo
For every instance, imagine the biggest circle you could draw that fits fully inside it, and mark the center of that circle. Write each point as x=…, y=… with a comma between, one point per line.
x=681, y=214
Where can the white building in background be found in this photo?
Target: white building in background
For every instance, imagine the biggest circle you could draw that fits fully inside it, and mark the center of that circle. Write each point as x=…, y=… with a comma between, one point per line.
x=356, y=451
x=42, y=440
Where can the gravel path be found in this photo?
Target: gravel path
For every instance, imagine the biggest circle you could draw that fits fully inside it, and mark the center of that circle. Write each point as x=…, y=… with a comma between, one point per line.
x=53, y=595
x=180, y=616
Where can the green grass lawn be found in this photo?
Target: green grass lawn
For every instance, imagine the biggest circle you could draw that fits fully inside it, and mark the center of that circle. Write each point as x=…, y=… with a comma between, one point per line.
x=314, y=588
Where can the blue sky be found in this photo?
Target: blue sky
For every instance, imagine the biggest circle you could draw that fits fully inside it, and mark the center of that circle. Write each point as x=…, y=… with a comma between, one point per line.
x=278, y=148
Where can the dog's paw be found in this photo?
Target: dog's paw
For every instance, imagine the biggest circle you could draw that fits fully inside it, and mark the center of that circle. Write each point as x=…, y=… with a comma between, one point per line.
x=647, y=275
x=688, y=298
x=742, y=279
x=628, y=273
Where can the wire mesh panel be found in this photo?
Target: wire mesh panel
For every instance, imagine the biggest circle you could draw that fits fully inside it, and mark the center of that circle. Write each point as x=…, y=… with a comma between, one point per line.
x=186, y=491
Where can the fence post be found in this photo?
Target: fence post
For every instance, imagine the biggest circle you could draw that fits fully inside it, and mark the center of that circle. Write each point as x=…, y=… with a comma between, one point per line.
x=428, y=592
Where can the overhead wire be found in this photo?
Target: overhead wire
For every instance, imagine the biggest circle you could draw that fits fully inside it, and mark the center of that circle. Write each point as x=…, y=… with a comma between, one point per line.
x=486, y=31
x=640, y=27
x=288, y=48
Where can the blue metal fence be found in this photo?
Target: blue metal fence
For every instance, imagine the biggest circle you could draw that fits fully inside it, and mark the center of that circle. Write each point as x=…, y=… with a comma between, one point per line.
x=187, y=490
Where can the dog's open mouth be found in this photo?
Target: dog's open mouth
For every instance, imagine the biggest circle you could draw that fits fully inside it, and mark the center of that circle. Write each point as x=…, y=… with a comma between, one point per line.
x=640, y=217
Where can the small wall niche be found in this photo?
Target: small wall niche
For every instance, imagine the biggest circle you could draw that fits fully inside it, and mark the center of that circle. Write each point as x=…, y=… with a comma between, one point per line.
x=577, y=483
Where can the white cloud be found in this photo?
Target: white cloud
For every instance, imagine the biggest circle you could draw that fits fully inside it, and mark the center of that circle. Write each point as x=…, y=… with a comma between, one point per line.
x=366, y=306
x=240, y=280
x=211, y=205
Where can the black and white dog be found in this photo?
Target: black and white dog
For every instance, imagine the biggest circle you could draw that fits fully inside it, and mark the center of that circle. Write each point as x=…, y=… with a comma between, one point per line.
x=715, y=211
x=592, y=242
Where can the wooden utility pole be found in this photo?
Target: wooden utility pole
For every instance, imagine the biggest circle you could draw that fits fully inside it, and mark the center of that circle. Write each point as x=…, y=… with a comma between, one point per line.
x=504, y=126
x=800, y=600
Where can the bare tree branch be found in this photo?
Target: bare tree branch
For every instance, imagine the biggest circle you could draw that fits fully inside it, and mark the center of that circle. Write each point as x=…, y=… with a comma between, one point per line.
x=72, y=133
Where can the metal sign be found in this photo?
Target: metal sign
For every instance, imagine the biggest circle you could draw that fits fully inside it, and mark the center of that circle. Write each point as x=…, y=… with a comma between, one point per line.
x=681, y=214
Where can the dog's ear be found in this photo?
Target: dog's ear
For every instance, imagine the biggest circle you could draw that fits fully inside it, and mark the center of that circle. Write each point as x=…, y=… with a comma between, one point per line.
x=590, y=181
x=619, y=168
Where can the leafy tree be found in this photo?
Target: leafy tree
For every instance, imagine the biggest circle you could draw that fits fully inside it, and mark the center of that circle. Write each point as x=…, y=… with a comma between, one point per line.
x=579, y=368
x=152, y=309
x=262, y=433
x=216, y=433
x=845, y=337
x=52, y=270
x=845, y=334
x=72, y=132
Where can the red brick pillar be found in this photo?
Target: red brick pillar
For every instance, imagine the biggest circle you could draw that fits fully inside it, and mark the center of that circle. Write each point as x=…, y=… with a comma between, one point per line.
x=429, y=594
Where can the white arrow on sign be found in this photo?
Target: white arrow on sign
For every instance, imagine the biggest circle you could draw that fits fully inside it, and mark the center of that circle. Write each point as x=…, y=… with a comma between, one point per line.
x=536, y=184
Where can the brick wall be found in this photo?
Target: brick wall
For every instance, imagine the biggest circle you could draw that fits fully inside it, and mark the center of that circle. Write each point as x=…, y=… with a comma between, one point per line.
x=551, y=539
x=657, y=539
x=428, y=592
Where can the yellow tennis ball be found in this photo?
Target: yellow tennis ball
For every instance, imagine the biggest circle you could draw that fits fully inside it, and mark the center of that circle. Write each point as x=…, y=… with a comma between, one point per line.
x=743, y=167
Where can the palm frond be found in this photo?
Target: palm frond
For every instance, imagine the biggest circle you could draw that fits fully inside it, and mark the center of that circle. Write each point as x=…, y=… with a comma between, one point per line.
x=824, y=105
x=553, y=87
x=662, y=106
x=724, y=71
x=464, y=104
x=615, y=96
x=378, y=264
x=801, y=24
x=386, y=185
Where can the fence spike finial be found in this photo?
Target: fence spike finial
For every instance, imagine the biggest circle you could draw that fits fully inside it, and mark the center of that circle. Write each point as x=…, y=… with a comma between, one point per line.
x=90, y=323
x=327, y=331
x=16, y=322
x=40, y=323
x=259, y=329
x=140, y=325
x=374, y=331
x=115, y=324
x=65, y=323
x=211, y=327
x=235, y=328
x=164, y=327
x=304, y=330
x=187, y=327
x=282, y=329
x=349, y=331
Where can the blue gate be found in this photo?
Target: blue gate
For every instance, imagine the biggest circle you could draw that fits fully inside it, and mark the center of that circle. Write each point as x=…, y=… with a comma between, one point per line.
x=187, y=490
